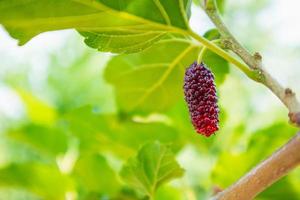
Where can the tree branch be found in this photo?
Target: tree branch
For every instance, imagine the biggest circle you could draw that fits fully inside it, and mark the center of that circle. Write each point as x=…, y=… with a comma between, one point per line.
x=266, y=173
x=286, y=95
x=228, y=40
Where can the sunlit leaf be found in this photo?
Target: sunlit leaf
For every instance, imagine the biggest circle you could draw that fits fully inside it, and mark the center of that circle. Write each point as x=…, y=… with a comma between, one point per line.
x=280, y=190
x=221, y=5
x=52, y=141
x=167, y=192
x=115, y=26
x=153, y=166
x=111, y=133
x=94, y=175
x=151, y=80
x=17, y=194
x=212, y=34
x=45, y=181
x=38, y=111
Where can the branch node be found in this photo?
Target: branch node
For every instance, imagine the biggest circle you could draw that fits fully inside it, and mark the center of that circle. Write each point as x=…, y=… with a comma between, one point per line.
x=288, y=92
x=209, y=5
x=257, y=60
x=257, y=56
x=226, y=43
x=295, y=118
x=216, y=189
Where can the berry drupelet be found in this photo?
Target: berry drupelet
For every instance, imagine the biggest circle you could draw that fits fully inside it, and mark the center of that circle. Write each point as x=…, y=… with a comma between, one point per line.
x=200, y=95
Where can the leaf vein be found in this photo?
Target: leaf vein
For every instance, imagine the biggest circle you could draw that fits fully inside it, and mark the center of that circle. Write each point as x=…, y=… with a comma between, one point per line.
x=164, y=76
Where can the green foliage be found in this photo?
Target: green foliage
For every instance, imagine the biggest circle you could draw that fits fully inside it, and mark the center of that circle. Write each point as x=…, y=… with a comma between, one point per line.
x=114, y=26
x=112, y=133
x=94, y=175
x=44, y=180
x=101, y=126
x=280, y=190
x=52, y=141
x=38, y=111
x=221, y=5
x=160, y=70
x=154, y=165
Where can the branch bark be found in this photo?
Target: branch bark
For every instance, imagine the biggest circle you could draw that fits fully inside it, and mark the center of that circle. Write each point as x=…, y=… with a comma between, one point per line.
x=264, y=174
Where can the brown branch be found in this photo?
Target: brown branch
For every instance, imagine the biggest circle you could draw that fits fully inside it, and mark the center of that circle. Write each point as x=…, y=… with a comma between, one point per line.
x=264, y=174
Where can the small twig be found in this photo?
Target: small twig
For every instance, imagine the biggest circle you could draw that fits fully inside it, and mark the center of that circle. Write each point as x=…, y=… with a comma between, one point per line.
x=228, y=40
x=266, y=173
x=287, y=97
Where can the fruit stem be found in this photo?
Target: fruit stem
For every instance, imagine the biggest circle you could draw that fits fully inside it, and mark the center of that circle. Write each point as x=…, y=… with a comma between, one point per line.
x=201, y=54
x=219, y=51
x=203, y=51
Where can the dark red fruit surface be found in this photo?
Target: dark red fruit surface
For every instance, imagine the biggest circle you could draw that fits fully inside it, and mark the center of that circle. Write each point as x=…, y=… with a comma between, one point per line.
x=200, y=95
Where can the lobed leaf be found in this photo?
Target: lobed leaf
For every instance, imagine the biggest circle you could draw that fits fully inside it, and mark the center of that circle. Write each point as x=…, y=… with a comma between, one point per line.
x=52, y=141
x=153, y=166
x=114, y=26
x=44, y=180
x=93, y=174
x=120, y=136
x=152, y=80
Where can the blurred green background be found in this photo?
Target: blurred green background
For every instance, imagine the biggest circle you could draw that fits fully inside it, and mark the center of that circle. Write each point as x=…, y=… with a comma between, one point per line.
x=63, y=135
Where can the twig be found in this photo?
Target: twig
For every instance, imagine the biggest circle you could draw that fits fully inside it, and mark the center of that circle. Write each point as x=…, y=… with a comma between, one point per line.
x=266, y=173
x=286, y=95
x=228, y=39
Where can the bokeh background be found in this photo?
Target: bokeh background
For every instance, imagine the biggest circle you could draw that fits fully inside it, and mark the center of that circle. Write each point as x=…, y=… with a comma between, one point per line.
x=55, y=106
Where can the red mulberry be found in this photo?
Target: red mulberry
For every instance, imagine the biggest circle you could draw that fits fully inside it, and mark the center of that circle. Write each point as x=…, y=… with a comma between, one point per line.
x=200, y=95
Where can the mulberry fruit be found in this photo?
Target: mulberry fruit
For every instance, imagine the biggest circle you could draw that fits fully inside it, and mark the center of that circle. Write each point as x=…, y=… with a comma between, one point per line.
x=200, y=95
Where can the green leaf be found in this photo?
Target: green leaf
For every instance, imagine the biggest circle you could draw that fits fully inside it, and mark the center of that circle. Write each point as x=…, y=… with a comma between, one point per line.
x=38, y=111
x=44, y=180
x=280, y=190
x=95, y=175
x=153, y=166
x=17, y=194
x=167, y=192
x=122, y=42
x=221, y=6
x=120, y=136
x=115, y=26
x=51, y=141
x=212, y=34
x=151, y=80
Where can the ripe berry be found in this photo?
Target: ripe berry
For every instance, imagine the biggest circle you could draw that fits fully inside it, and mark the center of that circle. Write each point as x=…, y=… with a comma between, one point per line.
x=200, y=95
